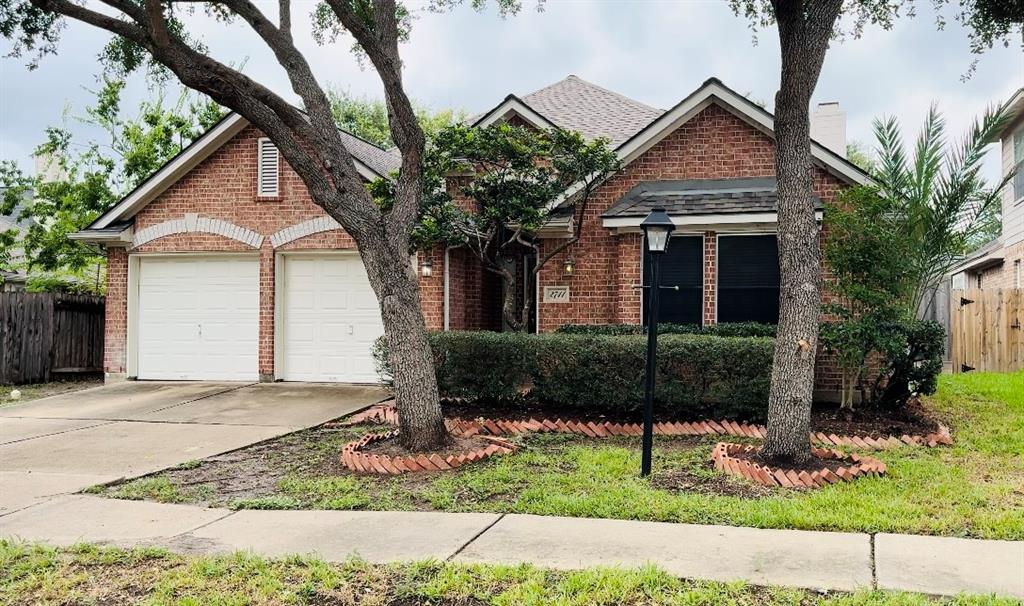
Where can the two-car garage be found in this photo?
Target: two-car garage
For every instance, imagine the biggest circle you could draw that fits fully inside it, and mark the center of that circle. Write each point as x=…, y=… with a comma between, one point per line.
x=197, y=317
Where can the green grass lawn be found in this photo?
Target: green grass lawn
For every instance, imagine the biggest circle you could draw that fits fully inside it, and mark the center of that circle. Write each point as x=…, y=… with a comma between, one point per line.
x=38, y=575
x=42, y=390
x=974, y=488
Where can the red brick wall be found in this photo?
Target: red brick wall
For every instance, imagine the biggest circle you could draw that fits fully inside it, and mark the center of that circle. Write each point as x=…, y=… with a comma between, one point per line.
x=224, y=187
x=116, y=333
x=715, y=144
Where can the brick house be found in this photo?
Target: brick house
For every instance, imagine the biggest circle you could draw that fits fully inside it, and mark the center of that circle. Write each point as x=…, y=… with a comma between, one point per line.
x=999, y=263
x=222, y=268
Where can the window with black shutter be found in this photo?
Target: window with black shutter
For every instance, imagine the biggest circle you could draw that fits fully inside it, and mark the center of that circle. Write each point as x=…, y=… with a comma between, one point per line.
x=748, y=279
x=682, y=266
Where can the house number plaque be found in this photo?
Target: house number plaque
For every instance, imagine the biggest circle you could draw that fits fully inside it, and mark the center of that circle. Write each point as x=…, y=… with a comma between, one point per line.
x=556, y=294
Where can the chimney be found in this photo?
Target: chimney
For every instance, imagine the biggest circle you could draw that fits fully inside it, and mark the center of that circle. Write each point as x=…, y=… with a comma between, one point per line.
x=828, y=127
x=48, y=168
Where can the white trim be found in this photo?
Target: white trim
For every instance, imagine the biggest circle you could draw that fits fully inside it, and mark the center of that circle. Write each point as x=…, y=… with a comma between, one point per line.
x=121, y=238
x=514, y=105
x=702, y=221
x=131, y=350
x=193, y=223
x=302, y=229
x=278, y=315
x=175, y=169
x=714, y=92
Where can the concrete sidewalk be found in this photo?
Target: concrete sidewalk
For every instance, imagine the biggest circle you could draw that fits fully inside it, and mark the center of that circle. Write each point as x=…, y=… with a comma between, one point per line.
x=816, y=560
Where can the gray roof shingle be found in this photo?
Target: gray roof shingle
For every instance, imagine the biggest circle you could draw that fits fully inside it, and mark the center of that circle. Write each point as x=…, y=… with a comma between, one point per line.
x=575, y=104
x=382, y=161
x=700, y=197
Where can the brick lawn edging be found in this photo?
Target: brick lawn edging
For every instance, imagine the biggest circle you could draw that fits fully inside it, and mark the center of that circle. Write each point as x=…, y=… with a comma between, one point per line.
x=725, y=460
x=353, y=459
x=386, y=413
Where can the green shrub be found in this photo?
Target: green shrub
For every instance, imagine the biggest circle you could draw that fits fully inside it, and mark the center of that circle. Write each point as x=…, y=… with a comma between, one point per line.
x=912, y=362
x=697, y=375
x=727, y=329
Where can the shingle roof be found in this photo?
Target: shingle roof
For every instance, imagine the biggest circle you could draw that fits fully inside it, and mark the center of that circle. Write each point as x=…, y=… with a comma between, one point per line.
x=382, y=161
x=575, y=104
x=700, y=197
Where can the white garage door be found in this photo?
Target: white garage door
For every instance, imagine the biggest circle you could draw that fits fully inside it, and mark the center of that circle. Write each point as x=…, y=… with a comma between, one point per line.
x=198, y=318
x=330, y=320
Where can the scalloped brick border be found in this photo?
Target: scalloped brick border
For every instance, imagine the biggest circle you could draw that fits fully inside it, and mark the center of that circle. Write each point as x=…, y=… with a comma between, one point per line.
x=387, y=414
x=354, y=460
x=723, y=457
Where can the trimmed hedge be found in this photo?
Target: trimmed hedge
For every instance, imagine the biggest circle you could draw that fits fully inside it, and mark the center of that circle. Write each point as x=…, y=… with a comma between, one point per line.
x=728, y=329
x=698, y=375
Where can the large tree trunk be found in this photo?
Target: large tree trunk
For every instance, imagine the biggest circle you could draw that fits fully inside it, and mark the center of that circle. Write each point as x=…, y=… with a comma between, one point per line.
x=393, y=276
x=804, y=32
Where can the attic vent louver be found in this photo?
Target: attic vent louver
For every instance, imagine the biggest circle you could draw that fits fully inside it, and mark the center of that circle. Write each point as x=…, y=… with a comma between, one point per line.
x=269, y=169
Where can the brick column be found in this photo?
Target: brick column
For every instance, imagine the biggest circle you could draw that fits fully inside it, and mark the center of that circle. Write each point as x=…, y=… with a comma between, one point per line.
x=116, y=326
x=630, y=273
x=432, y=287
x=710, y=278
x=267, y=298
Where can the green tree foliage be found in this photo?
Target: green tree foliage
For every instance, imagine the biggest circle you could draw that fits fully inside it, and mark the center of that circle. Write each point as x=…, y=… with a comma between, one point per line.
x=938, y=193
x=368, y=118
x=518, y=176
x=92, y=176
x=866, y=253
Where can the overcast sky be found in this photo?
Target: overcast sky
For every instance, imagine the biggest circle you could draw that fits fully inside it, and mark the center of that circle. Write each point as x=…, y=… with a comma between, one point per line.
x=654, y=51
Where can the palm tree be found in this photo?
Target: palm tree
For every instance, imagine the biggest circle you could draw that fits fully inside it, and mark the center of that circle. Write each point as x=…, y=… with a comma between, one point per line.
x=943, y=199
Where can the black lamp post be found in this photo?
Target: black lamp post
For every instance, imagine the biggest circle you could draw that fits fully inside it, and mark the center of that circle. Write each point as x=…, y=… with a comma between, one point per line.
x=657, y=228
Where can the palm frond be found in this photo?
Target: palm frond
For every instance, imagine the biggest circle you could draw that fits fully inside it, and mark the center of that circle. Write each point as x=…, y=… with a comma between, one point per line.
x=891, y=171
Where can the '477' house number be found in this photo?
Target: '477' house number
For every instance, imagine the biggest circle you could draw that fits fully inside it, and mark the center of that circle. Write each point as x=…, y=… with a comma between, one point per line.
x=556, y=294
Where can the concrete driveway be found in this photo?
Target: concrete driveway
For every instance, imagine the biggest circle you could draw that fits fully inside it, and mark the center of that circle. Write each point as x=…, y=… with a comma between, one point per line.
x=65, y=443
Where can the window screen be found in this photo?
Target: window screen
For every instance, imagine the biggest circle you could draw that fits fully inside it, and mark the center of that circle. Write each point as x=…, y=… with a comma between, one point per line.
x=748, y=279
x=682, y=266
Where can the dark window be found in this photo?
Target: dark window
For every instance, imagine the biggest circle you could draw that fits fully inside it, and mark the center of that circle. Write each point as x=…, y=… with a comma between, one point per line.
x=682, y=265
x=748, y=279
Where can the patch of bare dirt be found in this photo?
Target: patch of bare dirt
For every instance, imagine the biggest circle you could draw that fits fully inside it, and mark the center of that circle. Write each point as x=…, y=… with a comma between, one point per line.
x=912, y=419
x=682, y=480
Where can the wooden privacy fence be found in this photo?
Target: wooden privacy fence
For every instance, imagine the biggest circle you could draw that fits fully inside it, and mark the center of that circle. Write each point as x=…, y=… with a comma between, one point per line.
x=46, y=334
x=987, y=329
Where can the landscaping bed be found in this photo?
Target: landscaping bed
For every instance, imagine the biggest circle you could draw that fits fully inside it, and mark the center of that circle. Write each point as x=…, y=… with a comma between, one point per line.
x=84, y=574
x=973, y=488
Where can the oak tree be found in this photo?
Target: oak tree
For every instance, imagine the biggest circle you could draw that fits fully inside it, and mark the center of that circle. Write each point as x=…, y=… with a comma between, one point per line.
x=156, y=33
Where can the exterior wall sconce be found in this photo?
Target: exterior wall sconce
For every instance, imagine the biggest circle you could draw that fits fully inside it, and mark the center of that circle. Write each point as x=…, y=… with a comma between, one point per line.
x=569, y=267
x=427, y=268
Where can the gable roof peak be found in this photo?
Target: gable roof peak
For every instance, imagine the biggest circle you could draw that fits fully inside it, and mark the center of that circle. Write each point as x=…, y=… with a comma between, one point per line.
x=577, y=104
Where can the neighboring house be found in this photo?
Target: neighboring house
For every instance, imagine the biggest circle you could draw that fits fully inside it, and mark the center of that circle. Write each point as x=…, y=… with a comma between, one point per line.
x=998, y=264
x=13, y=276
x=220, y=267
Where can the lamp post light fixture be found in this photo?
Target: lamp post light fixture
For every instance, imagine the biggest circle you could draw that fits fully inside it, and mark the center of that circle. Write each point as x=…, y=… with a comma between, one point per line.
x=658, y=229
